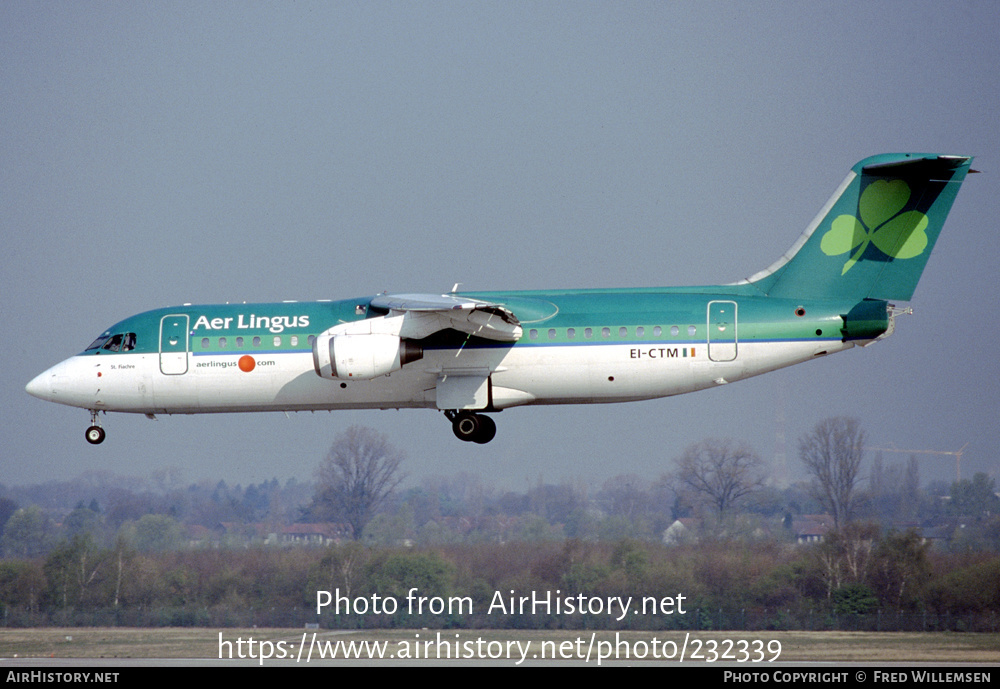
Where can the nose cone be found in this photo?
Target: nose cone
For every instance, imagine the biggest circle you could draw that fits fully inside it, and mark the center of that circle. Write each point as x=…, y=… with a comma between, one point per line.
x=63, y=383
x=41, y=386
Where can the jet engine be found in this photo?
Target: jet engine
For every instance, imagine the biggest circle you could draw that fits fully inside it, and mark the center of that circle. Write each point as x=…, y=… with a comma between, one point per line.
x=362, y=356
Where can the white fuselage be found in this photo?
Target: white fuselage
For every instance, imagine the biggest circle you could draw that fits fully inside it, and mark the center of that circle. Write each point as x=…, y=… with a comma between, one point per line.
x=557, y=374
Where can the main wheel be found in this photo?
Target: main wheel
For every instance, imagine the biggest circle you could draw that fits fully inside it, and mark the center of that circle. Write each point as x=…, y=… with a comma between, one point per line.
x=95, y=435
x=466, y=426
x=487, y=430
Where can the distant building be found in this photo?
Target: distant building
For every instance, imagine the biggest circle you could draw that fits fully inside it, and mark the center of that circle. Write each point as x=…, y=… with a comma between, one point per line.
x=324, y=533
x=684, y=530
x=811, y=528
x=320, y=534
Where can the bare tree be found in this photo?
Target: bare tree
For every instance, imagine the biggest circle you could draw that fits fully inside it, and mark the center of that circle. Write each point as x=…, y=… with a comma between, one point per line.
x=626, y=495
x=846, y=555
x=359, y=473
x=832, y=454
x=721, y=472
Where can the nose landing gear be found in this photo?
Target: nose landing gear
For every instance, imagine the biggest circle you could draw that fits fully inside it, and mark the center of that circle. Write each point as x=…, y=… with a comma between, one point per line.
x=95, y=434
x=476, y=428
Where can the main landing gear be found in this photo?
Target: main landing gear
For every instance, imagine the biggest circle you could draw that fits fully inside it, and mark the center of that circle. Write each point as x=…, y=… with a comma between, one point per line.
x=476, y=428
x=95, y=434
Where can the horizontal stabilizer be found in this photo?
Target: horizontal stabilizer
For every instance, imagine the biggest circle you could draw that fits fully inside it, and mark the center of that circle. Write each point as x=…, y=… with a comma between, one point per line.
x=940, y=168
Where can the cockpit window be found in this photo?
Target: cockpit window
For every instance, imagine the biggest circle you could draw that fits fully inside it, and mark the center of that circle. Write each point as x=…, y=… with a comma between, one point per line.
x=114, y=344
x=122, y=342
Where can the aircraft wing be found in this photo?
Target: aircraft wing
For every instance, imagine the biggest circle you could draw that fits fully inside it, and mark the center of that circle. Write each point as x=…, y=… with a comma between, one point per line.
x=425, y=314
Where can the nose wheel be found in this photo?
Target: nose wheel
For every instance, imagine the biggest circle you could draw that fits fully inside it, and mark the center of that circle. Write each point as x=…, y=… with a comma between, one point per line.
x=95, y=434
x=476, y=428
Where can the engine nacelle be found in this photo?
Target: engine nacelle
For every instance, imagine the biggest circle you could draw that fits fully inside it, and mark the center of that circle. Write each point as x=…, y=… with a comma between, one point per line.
x=362, y=356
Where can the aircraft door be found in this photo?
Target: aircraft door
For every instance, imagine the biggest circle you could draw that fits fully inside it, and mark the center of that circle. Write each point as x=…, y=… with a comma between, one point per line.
x=722, y=341
x=174, y=344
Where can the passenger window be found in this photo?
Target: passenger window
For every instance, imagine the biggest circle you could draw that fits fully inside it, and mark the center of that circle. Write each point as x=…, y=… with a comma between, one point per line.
x=639, y=331
x=692, y=330
x=605, y=332
x=533, y=334
x=256, y=341
x=552, y=333
x=277, y=340
x=204, y=343
x=222, y=343
x=239, y=342
x=623, y=332
x=675, y=331
x=571, y=333
x=311, y=339
x=588, y=332
x=295, y=340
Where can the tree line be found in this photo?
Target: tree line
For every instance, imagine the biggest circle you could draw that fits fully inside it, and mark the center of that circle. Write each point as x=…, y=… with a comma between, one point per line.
x=855, y=580
x=156, y=554
x=720, y=486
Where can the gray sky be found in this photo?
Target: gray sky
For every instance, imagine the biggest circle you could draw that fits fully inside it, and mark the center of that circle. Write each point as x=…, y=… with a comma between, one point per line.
x=159, y=153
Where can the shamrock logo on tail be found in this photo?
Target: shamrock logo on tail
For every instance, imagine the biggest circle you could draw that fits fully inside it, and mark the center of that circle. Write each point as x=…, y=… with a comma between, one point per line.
x=895, y=234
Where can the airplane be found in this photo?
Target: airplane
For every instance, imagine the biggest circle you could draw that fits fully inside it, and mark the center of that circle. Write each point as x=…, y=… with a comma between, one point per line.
x=473, y=354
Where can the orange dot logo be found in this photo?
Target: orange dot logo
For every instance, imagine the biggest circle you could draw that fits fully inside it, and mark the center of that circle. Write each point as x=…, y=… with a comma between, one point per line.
x=247, y=363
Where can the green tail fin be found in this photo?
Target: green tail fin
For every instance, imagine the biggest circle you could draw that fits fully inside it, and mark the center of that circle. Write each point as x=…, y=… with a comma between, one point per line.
x=873, y=238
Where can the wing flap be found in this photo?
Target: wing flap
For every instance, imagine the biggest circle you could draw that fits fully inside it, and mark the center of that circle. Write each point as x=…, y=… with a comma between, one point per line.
x=425, y=314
